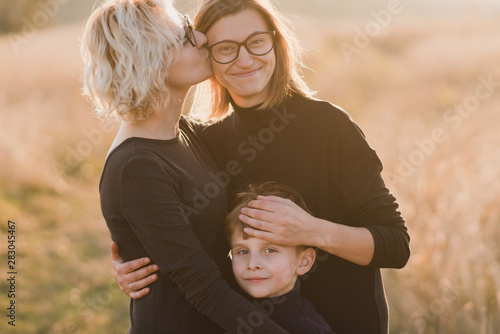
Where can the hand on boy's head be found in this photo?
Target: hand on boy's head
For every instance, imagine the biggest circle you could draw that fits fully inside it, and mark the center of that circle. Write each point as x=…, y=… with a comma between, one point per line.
x=281, y=221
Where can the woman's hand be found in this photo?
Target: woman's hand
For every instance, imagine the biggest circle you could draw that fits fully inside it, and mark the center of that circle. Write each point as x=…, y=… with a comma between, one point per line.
x=281, y=221
x=132, y=280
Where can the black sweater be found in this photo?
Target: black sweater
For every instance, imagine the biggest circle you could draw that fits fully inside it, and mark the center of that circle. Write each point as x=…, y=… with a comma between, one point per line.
x=159, y=199
x=293, y=312
x=317, y=149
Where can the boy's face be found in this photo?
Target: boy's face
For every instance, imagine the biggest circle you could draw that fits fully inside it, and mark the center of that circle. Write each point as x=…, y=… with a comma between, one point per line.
x=264, y=269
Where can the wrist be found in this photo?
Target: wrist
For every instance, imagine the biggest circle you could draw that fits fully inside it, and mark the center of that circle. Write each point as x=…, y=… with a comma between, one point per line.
x=325, y=237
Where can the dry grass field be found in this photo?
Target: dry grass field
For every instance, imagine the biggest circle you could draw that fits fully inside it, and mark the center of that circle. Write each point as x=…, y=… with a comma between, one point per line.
x=426, y=93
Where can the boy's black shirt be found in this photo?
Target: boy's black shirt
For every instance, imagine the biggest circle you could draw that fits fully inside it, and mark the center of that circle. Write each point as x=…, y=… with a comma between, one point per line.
x=293, y=312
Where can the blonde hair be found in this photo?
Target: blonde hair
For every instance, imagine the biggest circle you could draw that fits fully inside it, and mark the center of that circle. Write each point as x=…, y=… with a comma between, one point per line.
x=127, y=48
x=287, y=77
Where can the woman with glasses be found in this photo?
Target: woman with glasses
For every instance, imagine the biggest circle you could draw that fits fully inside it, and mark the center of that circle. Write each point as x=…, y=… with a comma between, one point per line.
x=141, y=57
x=277, y=132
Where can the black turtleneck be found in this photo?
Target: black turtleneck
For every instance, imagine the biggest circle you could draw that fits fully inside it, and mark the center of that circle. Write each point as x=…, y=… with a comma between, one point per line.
x=316, y=148
x=158, y=199
x=293, y=312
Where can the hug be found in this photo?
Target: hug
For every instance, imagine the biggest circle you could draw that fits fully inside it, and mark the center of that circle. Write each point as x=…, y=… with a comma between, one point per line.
x=141, y=59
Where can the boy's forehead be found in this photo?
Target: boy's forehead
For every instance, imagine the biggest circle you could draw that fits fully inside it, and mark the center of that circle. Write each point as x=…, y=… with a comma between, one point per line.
x=237, y=239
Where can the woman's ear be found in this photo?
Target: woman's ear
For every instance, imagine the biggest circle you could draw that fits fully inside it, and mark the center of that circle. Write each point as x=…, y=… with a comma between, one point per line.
x=306, y=260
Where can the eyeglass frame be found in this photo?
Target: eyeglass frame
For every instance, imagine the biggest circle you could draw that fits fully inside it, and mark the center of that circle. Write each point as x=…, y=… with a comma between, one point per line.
x=189, y=31
x=240, y=44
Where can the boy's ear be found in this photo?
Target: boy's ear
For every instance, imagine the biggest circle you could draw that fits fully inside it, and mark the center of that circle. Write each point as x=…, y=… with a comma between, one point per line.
x=306, y=260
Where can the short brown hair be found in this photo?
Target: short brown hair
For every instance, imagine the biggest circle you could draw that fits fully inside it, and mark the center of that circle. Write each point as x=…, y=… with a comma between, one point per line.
x=270, y=188
x=287, y=77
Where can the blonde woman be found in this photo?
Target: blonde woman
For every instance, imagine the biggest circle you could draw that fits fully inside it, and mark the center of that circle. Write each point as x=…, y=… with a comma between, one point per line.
x=277, y=132
x=141, y=57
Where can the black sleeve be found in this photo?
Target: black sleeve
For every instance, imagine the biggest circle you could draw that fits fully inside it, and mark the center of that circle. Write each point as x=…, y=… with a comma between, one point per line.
x=367, y=200
x=153, y=209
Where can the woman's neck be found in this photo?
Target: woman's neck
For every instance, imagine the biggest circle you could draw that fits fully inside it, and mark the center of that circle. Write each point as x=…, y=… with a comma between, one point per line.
x=248, y=102
x=162, y=124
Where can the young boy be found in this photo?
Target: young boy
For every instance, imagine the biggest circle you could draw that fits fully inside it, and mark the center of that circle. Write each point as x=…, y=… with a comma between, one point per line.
x=268, y=272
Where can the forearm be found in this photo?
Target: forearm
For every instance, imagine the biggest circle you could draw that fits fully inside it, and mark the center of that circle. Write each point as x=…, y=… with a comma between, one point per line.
x=354, y=244
x=281, y=221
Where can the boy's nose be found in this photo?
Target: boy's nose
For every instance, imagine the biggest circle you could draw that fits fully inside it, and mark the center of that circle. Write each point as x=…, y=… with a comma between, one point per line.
x=253, y=263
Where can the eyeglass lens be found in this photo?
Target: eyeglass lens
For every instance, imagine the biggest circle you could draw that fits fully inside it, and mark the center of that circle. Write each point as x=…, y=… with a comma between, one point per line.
x=258, y=44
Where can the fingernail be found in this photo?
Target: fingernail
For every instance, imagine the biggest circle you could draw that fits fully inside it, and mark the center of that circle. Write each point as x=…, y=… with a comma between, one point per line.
x=146, y=260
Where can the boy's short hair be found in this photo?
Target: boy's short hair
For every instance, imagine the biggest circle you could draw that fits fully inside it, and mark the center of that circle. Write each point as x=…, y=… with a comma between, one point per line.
x=271, y=188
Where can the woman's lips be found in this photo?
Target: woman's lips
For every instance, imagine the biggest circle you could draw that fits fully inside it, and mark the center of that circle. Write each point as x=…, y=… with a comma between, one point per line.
x=246, y=73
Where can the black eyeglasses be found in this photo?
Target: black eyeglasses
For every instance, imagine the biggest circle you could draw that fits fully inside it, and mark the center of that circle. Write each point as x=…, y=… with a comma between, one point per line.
x=258, y=44
x=189, y=31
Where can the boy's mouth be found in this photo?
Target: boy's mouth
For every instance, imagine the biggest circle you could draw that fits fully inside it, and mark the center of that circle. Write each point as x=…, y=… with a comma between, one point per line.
x=255, y=279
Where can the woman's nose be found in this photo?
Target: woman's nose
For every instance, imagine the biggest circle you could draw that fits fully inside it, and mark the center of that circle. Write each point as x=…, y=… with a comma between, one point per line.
x=201, y=39
x=245, y=59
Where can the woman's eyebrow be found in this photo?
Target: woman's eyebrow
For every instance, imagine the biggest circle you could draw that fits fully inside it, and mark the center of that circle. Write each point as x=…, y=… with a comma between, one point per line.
x=233, y=40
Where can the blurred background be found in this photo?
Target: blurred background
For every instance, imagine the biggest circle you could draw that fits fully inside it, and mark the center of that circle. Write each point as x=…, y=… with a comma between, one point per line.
x=422, y=79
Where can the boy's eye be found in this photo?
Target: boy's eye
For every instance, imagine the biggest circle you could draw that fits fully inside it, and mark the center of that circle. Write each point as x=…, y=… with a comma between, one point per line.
x=270, y=250
x=242, y=252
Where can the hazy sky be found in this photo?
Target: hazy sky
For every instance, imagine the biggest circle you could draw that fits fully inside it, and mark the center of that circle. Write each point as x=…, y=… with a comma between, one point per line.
x=79, y=10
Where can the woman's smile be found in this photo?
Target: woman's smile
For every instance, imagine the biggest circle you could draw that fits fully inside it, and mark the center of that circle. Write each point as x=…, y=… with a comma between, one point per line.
x=247, y=77
x=247, y=73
